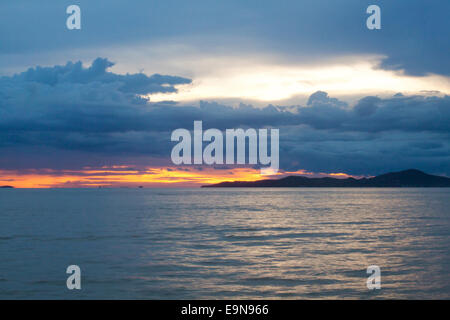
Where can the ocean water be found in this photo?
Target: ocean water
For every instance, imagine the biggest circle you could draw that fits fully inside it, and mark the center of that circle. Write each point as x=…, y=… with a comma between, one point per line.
x=225, y=243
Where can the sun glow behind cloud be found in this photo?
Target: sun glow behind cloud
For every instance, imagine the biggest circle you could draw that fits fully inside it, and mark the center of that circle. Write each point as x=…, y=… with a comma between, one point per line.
x=269, y=81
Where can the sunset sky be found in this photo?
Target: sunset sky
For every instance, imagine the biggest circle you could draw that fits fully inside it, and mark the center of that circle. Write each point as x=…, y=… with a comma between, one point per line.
x=96, y=107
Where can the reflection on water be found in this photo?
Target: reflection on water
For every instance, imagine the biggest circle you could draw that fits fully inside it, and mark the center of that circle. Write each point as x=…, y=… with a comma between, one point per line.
x=225, y=243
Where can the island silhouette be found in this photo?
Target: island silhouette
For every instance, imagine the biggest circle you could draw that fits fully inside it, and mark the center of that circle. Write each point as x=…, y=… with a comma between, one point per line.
x=411, y=178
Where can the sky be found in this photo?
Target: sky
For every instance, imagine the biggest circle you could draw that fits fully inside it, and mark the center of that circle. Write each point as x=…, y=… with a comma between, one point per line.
x=96, y=106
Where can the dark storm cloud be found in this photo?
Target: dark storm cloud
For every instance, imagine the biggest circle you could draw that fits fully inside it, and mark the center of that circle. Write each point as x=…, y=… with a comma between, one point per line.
x=414, y=34
x=96, y=74
x=372, y=114
x=91, y=111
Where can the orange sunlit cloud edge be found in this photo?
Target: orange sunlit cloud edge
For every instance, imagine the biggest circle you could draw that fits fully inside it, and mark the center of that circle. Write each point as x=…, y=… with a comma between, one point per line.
x=129, y=176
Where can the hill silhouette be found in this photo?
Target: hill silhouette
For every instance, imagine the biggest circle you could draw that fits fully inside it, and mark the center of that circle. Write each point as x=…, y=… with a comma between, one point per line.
x=411, y=178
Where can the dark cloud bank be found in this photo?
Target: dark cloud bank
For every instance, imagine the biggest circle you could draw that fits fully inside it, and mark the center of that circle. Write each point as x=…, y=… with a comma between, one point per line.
x=69, y=116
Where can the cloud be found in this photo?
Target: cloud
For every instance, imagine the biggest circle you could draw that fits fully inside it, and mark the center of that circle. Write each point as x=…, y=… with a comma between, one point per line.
x=58, y=77
x=413, y=37
x=72, y=115
x=367, y=106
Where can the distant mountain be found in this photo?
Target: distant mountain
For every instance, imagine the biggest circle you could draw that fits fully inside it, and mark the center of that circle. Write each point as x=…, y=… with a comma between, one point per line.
x=404, y=179
x=6, y=187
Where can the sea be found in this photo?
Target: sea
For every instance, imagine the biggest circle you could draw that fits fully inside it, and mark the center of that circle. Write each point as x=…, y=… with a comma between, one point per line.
x=274, y=243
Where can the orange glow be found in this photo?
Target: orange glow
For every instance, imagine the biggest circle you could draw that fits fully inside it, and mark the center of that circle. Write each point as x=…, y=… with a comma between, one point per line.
x=301, y=172
x=116, y=176
x=125, y=176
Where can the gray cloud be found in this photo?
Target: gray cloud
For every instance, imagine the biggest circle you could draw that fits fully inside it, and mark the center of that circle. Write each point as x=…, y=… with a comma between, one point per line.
x=93, y=113
x=414, y=34
x=97, y=74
